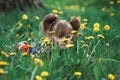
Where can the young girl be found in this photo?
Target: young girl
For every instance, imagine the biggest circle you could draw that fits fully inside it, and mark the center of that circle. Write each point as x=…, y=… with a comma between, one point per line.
x=59, y=31
x=62, y=29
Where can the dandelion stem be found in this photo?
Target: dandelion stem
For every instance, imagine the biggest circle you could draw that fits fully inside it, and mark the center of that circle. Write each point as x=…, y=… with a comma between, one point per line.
x=93, y=50
x=33, y=73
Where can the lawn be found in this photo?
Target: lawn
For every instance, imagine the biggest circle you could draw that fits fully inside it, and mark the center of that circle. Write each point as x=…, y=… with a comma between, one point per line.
x=94, y=56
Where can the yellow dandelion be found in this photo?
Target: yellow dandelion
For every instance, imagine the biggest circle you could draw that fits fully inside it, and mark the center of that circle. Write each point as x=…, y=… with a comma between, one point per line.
x=3, y=63
x=79, y=33
x=2, y=71
x=111, y=2
x=96, y=29
x=82, y=26
x=54, y=11
x=24, y=54
x=4, y=54
x=17, y=35
x=77, y=73
x=79, y=18
x=24, y=17
x=85, y=45
x=85, y=20
x=96, y=25
x=69, y=45
x=81, y=41
x=31, y=33
x=112, y=14
x=104, y=9
x=44, y=44
x=106, y=27
x=38, y=61
x=118, y=1
x=73, y=31
x=44, y=74
x=32, y=56
x=48, y=43
x=101, y=36
x=52, y=32
x=37, y=17
x=60, y=12
x=89, y=37
x=100, y=59
x=38, y=78
x=12, y=54
x=111, y=76
x=20, y=24
x=85, y=23
x=65, y=39
x=46, y=39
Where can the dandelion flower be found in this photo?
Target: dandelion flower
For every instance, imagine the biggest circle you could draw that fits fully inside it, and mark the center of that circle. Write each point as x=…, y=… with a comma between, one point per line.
x=38, y=78
x=60, y=12
x=89, y=37
x=111, y=76
x=85, y=45
x=3, y=63
x=38, y=61
x=2, y=71
x=65, y=39
x=4, y=54
x=31, y=33
x=20, y=24
x=46, y=39
x=111, y=2
x=82, y=26
x=100, y=59
x=101, y=36
x=104, y=9
x=96, y=27
x=44, y=74
x=106, y=27
x=17, y=35
x=118, y=1
x=12, y=54
x=69, y=45
x=24, y=54
x=79, y=18
x=52, y=32
x=81, y=41
x=24, y=17
x=73, y=31
x=37, y=17
x=77, y=73
x=85, y=20
x=54, y=11
x=32, y=56
x=112, y=14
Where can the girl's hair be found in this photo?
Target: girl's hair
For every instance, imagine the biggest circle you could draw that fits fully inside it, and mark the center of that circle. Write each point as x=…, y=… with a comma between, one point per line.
x=61, y=27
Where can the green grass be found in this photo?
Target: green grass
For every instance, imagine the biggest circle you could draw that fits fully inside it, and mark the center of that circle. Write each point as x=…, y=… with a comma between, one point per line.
x=64, y=63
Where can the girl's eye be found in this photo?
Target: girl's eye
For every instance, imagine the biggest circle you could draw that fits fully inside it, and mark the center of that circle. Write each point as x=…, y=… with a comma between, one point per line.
x=67, y=36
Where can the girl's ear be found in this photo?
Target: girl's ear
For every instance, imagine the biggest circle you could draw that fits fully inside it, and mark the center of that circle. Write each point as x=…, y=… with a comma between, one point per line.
x=75, y=23
x=48, y=20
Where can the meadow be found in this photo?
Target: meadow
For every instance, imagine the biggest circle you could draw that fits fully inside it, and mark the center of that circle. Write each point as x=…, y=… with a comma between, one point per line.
x=94, y=54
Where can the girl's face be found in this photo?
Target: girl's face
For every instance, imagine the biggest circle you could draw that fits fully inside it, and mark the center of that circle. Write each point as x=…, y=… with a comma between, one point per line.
x=62, y=42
